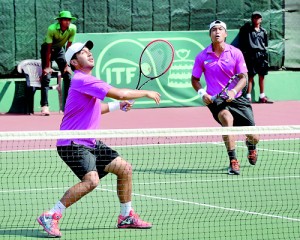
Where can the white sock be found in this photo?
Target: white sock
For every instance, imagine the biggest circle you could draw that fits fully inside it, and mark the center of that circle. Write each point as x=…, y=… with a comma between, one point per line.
x=125, y=209
x=262, y=95
x=248, y=95
x=59, y=207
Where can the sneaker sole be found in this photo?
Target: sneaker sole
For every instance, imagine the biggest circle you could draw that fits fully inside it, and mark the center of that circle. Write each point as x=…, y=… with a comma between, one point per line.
x=251, y=162
x=132, y=227
x=230, y=172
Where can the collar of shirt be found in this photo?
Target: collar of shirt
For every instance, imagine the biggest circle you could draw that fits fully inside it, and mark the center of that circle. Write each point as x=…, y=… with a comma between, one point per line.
x=210, y=48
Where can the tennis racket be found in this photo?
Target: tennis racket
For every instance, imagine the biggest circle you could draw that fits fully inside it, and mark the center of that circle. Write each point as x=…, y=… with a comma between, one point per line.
x=155, y=60
x=231, y=84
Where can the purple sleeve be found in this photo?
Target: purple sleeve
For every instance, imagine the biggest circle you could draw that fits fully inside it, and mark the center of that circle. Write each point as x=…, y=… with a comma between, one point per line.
x=197, y=69
x=95, y=87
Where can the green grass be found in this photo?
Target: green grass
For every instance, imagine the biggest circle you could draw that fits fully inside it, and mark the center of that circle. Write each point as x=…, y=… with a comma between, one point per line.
x=182, y=189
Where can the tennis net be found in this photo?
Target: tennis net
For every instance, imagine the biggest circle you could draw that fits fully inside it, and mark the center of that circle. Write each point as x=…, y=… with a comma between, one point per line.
x=180, y=185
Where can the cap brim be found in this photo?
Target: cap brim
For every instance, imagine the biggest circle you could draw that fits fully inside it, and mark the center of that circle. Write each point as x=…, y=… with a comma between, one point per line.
x=89, y=44
x=72, y=18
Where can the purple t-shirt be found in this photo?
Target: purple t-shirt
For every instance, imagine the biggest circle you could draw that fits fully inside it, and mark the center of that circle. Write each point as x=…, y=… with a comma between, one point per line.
x=218, y=70
x=83, y=106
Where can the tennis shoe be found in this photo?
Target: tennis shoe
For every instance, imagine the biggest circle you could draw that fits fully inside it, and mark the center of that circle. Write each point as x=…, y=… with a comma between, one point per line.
x=252, y=157
x=132, y=221
x=265, y=100
x=234, y=167
x=50, y=223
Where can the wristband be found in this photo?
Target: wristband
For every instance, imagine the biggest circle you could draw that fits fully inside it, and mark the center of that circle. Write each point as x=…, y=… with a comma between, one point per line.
x=201, y=92
x=235, y=92
x=113, y=106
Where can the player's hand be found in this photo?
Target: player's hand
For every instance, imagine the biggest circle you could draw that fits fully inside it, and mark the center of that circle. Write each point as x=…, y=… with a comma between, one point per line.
x=154, y=95
x=231, y=95
x=207, y=99
x=126, y=105
x=47, y=71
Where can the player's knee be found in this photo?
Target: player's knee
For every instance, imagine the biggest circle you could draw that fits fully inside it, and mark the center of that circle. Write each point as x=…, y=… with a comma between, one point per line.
x=91, y=180
x=226, y=118
x=125, y=170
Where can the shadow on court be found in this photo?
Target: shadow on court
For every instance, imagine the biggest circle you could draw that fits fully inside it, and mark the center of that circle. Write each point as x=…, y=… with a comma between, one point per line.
x=15, y=233
x=184, y=171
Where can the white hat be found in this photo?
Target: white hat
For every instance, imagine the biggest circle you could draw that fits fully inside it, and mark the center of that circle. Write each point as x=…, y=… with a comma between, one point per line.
x=217, y=22
x=75, y=48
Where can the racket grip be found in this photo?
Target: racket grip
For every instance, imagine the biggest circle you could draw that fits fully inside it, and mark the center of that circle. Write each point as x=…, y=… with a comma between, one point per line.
x=124, y=108
x=214, y=97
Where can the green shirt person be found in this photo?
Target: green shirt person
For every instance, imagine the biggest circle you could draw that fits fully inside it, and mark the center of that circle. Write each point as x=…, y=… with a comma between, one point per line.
x=58, y=39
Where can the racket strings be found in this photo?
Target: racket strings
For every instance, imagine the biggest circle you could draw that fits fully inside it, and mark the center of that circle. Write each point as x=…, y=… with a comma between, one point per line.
x=156, y=59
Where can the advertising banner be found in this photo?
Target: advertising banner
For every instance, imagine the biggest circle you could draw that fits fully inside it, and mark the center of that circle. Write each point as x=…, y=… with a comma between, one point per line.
x=117, y=62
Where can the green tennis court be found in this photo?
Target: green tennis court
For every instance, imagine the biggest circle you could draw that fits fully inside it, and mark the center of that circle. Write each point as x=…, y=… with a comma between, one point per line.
x=182, y=188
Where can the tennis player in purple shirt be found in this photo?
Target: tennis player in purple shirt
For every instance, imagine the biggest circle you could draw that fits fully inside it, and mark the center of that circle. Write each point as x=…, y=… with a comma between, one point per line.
x=89, y=159
x=218, y=62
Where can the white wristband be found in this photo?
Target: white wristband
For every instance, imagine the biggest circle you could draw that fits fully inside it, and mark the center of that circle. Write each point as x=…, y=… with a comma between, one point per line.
x=235, y=92
x=113, y=106
x=201, y=92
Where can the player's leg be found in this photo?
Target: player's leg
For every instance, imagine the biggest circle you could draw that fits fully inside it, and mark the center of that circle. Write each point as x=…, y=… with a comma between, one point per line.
x=251, y=142
x=109, y=161
x=242, y=111
x=128, y=218
x=49, y=219
x=83, y=163
x=226, y=119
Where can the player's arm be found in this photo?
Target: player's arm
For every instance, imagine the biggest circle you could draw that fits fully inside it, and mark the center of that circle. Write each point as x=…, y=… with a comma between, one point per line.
x=129, y=94
x=114, y=106
x=198, y=88
x=243, y=79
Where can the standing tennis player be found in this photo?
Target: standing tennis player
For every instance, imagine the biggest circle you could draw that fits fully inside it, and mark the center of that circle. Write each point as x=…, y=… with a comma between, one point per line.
x=91, y=160
x=218, y=62
x=59, y=37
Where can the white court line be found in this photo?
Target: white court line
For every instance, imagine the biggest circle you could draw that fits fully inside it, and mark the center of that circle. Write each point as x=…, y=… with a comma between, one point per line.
x=213, y=180
x=210, y=206
x=161, y=182
x=178, y=200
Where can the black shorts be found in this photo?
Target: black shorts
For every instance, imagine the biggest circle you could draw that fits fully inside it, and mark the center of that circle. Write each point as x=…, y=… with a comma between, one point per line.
x=82, y=159
x=257, y=63
x=240, y=108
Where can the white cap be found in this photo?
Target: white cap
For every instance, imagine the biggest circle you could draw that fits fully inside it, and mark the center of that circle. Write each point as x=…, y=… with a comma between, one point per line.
x=75, y=48
x=218, y=22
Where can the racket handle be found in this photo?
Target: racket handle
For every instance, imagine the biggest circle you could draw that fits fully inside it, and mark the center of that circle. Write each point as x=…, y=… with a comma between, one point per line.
x=214, y=97
x=124, y=108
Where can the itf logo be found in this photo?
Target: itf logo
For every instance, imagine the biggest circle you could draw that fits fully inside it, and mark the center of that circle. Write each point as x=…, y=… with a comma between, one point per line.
x=118, y=65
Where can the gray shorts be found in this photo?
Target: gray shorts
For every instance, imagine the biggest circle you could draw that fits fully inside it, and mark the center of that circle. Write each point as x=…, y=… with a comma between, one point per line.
x=82, y=159
x=240, y=108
